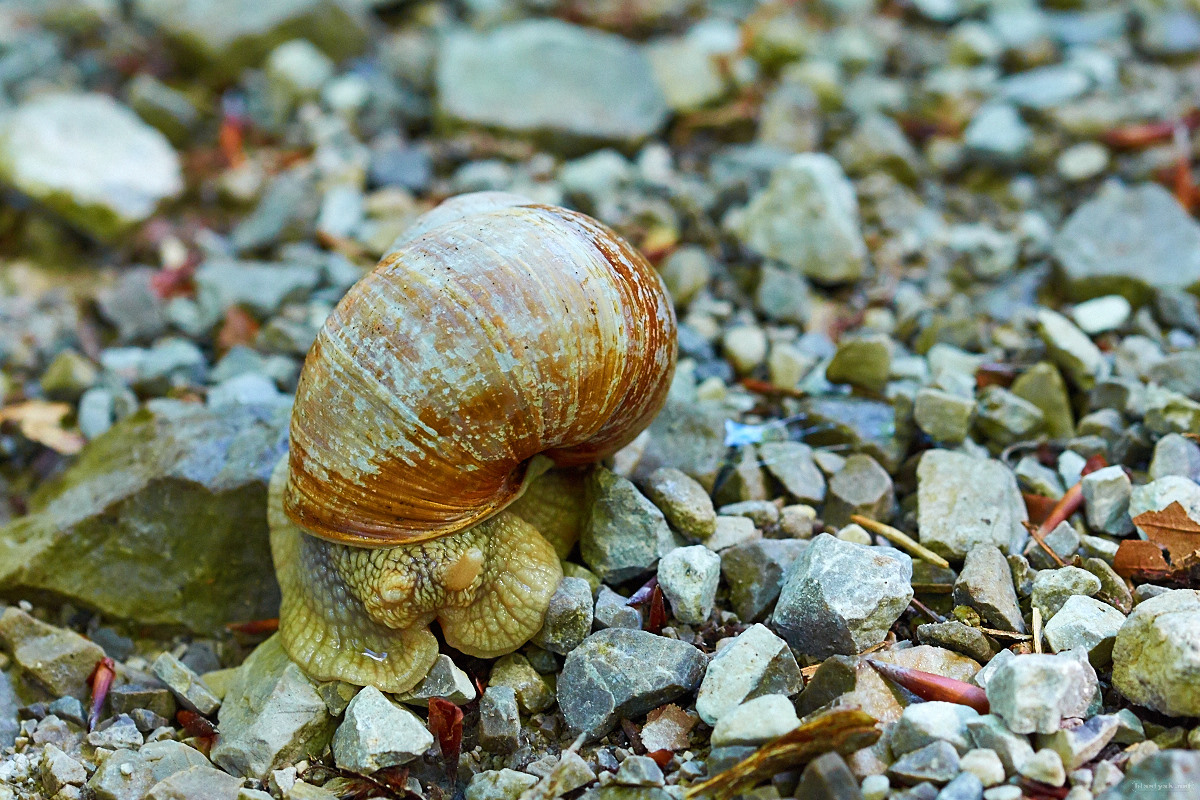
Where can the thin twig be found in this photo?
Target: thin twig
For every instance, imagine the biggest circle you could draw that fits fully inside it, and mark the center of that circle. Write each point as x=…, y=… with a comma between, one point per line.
x=926, y=610
x=901, y=540
x=1036, y=535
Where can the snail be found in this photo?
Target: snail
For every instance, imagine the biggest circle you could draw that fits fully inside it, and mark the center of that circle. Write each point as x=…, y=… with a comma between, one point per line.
x=497, y=338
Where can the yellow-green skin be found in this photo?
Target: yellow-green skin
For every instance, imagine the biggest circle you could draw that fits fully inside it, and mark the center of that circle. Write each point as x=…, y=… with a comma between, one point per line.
x=362, y=615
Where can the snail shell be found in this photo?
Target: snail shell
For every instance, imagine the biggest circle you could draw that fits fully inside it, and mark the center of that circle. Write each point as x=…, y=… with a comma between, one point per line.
x=499, y=330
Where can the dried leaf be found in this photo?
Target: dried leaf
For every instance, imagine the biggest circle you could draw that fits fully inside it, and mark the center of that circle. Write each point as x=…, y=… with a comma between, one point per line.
x=42, y=422
x=102, y=678
x=930, y=686
x=657, y=617
x=842, y=730
x=1136, y=558
x=445, y=723
x=667, y=728
x=1173, y=529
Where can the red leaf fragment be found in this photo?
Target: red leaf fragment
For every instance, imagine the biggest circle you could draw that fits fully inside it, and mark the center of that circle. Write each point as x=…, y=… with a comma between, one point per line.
x=445, y=723
x=101, y=680
x=929, y=686
x=196, y=725
x=658, y=612
x=254, y=626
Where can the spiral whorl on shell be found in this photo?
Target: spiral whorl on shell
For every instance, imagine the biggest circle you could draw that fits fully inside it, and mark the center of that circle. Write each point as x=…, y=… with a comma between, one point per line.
x=501, y=330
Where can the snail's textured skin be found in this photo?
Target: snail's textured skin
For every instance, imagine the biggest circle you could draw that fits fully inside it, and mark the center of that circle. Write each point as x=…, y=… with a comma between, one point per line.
x=498, y=337
x=362, y=615
x=478, y=344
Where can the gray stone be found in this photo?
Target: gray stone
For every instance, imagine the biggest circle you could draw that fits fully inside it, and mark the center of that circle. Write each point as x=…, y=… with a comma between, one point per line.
x=260, y=286
x=807, y=218
x=499, y=720
x=753, y=572
x=591, y=86
x=271, y=715
x=997, y=134
x=683, y=501
x=935, y=763
x=687, y=72
x=118, y=733
x=59, y=770
x=639, y=771
x=756, y=721
x=1106, y=494
x=1086, y=623
x=1045, y=87
x=68, y=708
x=959, y=637
x=171, y=111
x=688, y=577
x=793, y=466
x=921, y=724
x=1175, y=455
x=377, y=733
x=964, y=501
x=864, y=361
x=1006, y=417
x=288, y=208
x=985, y=765
x=89, y=159
x=1167, y=775
x=1070, y=348
x=1101, y=314
x=990, y=733
x=534, y=694
x=445, y=680
x=827, y=777
x=966, y=786
x=9, y=703
x=191, y=692
x=1034, y=693
x=943, y=416
x=170, y=505
x=613, y=611
x=1156, y=658
x=1157, y=495
x=57, y=659
x=1053, y=587
x=1079, y=745
x=198, y=782
x=1044, y=766
x=1129, y=240
x=985, y=583
x=1064, y=540
x=123, y=699
x=878, y=144
x=620, y=672
x=1177, y=372
x=225, y=37
x=841, y=597
x=623, y=533
x=755, y=663
x=569, y=617
x=498, y=784
x=128, y=775
x=861, y=486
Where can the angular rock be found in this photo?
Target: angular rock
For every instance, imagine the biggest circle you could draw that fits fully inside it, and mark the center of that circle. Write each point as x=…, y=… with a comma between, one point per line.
x=959, y=637
x=754, y=571
x=863, y=361
x=592, y=86
x=1079, y=745
x=191, y=692
x=936, y=763
x=9, y=703
x=498, y=784
x=377, y=733
x=1034, y=693
x=128, y=775
x=792, y=465
x=118, y=733
x=1043, y=386
x=57, y=659
x=985, y=583
x=756, y=663
x=861, y=486
x=59, y=770
x=985, y=765
x=444, y=680
x=621, y=672
x=1175, y=455
x=688, y=577
x=1074, y=353
x=841, y=597
x=223, y=38
x=499, y=720
x=272, y=715
x=943, y=416
x=924, y=723
x=198, y=782
x=170, y=506
x=262, y=287
x=1044, y=766
x=613, y=611
x=1168, y=775
x=1156, y=658
x=1128, y=240
x=1053, y=587
x=756, y=721
x=991, y=734
x=623, y=533
x=569, y=617
x=1086, y=623
x=89, y=159
x=964, y=501
x=683, y=501
x=533, y=692
x=807, y=218
x=827, y=777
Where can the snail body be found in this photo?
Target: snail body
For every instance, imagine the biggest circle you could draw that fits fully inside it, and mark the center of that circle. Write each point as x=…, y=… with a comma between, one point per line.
x=499, y=337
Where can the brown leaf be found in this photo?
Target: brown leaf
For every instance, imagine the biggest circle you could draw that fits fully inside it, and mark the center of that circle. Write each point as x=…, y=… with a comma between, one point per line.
x=842, y=730
x=42, y=422
x=445, y=723
x=1173, y=529
x=1136, y=558
x=657, y=617
x=238, y=328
